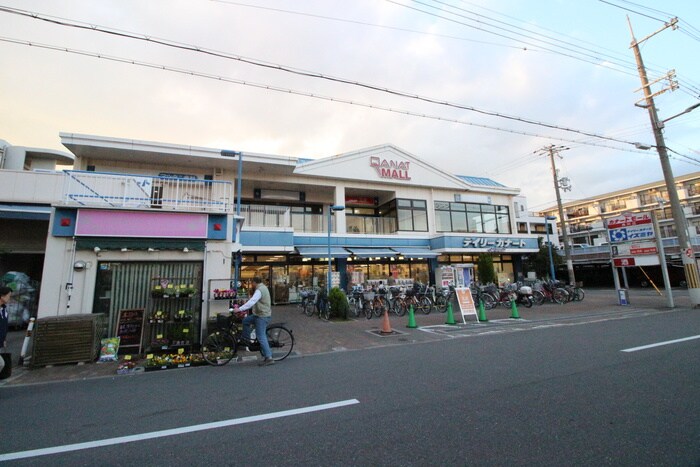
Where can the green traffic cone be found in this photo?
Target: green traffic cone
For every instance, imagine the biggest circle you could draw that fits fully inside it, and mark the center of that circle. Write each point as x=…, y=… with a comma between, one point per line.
x=411, y=318
x=482, y=312
x=514, y=309
x=450, y=315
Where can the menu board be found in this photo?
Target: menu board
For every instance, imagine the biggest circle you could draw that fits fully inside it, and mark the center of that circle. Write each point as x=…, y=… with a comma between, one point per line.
x=130, y=328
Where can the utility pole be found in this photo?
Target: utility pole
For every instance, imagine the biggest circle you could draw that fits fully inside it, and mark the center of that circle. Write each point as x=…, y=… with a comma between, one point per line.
x=563, y=184
x=690, y=266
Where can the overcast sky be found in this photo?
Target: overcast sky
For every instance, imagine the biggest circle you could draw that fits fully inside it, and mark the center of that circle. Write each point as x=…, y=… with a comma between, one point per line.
x=555, y=63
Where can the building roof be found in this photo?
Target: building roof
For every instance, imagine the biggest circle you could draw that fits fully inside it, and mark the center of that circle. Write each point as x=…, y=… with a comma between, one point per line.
x=479, y=181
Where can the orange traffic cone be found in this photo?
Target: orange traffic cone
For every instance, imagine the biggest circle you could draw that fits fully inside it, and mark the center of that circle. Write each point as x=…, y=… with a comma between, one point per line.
x=386, y=325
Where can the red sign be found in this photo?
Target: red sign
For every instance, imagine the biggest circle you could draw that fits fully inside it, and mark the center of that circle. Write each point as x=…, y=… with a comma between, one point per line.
x=623, y=262
x=385, y=168
x=628, y=220
x=642, y=250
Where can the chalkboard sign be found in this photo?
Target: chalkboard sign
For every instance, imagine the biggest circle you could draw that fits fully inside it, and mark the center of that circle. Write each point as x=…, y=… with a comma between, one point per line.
x=130, y=328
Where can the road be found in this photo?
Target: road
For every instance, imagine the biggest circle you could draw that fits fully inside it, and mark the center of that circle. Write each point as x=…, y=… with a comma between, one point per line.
x=550, y=395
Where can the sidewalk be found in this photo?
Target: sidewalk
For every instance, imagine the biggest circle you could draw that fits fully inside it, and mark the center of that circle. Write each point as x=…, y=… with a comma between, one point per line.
x=315, y=336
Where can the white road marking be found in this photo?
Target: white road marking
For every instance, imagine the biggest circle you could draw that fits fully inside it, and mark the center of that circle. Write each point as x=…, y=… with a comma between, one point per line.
x=658, y=344
x=172, y=432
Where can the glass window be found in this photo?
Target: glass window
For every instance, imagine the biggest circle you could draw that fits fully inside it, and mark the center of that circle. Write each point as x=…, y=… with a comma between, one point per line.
x=404, y=203
x=459, y=222
x=490, y=225
x=442, y=221
x=420, y=221
x=405, y=219
x=419, y=204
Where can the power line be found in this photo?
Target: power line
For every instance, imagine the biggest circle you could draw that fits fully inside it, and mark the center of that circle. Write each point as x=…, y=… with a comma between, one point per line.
x=287, y=69
x=299, y=93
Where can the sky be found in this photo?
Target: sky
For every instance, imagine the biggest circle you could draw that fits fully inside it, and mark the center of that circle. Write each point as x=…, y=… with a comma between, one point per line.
x=477, y=88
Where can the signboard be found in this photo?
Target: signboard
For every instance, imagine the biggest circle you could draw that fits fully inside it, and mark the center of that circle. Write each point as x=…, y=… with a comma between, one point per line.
x=634, y=232
x=644, y=260
x=130, y=328
x=628, y=220
x=634, y=249
x=466, y=303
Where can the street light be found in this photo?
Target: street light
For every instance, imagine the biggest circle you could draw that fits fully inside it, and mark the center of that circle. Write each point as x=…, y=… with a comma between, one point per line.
x=549, y=246
x=238, y=222
x=331, y=209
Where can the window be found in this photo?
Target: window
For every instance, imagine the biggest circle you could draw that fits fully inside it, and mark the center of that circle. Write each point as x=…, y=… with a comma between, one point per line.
x=522, y=227
x=472, y=218
x=412, y=215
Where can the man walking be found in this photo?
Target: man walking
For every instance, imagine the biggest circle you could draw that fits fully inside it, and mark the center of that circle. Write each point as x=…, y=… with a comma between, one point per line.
x=261, y=304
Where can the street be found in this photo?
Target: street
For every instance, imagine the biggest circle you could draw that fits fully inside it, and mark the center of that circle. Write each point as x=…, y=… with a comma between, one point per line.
x=580, y=394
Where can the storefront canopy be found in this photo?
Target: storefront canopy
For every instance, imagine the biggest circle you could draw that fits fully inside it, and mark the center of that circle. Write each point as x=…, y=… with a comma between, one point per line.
x=372, y=252
x=24, y=211
x=417, y=253
x=322, y=252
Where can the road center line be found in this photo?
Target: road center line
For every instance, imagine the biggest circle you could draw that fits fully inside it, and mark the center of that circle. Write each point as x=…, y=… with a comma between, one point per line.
x=173, y=431
x=658, y=344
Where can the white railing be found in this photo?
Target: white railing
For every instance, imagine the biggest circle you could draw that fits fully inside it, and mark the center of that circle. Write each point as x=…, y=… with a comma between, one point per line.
x=112, y=190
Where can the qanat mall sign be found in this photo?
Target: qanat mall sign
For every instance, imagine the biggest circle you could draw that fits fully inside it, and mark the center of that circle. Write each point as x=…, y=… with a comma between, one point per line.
x=391, y=169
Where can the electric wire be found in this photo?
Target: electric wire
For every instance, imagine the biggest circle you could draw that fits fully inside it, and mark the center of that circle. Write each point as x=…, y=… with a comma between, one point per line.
x=301, y=93
x=218, y=54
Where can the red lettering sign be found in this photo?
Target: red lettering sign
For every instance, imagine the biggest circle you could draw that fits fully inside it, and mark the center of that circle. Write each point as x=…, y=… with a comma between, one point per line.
x=628, y=220
x=391, y=169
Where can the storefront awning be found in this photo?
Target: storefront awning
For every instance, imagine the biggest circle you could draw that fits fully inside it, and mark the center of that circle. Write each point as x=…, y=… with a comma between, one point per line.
x=24, y=211
x=417, y=253
x=322, y=252
x=372, y=252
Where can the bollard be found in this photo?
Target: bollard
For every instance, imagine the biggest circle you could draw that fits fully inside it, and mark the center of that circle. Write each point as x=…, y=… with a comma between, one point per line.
x=482, y=312
x=27, y=338
x=411, y=318
x=514, y=310
x=450, y=315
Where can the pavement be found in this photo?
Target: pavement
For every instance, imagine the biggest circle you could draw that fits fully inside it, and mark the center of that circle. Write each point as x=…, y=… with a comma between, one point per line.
x=315, y=336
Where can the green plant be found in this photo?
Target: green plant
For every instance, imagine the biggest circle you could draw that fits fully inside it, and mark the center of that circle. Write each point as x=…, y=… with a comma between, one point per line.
x=339, y=303
x=485, y=269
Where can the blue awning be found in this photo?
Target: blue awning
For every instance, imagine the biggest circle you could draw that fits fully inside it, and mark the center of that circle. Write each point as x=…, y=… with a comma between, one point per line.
x=25, y=211
x=372, y=252
x=417, y=252
x=322, y=252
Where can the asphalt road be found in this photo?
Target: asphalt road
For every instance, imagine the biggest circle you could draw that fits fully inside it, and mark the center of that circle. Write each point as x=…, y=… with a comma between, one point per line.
x=560, y=395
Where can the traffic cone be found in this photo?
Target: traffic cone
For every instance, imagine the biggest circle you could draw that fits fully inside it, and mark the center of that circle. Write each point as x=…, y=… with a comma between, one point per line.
x=386, y=325
x=482, y=312
x=450, y=315
x=514, y=309
x=411, y=318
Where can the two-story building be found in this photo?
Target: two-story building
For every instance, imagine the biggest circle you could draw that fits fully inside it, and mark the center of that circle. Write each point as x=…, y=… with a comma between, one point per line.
x=135, y=218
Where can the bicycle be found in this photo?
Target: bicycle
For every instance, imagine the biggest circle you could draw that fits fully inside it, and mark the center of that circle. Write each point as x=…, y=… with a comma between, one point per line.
x=220, y=346
x=307, y=295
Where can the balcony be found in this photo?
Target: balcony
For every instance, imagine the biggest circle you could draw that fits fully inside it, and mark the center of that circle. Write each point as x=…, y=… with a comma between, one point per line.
x=125, y=191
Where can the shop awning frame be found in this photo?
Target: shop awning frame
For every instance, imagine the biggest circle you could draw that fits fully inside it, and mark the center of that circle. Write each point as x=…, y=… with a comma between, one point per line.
x=322, y=252
x=25, y=211
x=372, y=252
x=412, y=252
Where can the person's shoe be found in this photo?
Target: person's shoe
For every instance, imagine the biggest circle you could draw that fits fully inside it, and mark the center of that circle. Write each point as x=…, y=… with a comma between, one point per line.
x=266, y=362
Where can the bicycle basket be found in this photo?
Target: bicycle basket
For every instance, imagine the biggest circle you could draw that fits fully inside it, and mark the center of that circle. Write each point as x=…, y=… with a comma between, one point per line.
x=369, y=295
x=223, y=321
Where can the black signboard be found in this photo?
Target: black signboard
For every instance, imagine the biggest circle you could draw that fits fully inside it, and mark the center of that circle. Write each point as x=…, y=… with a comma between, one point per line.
x=130, y=328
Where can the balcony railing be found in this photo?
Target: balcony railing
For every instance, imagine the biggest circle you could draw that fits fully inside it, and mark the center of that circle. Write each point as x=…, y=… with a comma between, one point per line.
x=111, y=190
x=261, y=215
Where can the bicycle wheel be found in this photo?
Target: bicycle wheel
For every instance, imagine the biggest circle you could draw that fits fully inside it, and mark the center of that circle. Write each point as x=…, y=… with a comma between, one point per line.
x=309, y=308
x=441, y=303
x=401, y=308
x=356, y=307
x=489, y=301
x=560, y=296
x=426, y=305
x=324, y=310
x=578, y=294
x=537, y=297
x=367, y=309
x=378, y=307
x=281, y=341
x=219, y=348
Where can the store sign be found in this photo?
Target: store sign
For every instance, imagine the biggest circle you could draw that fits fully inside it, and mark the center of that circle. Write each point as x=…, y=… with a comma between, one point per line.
x=634, y=232
x=502, y=243
x=634, y=249
x=628, y=220
x=391, y=169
